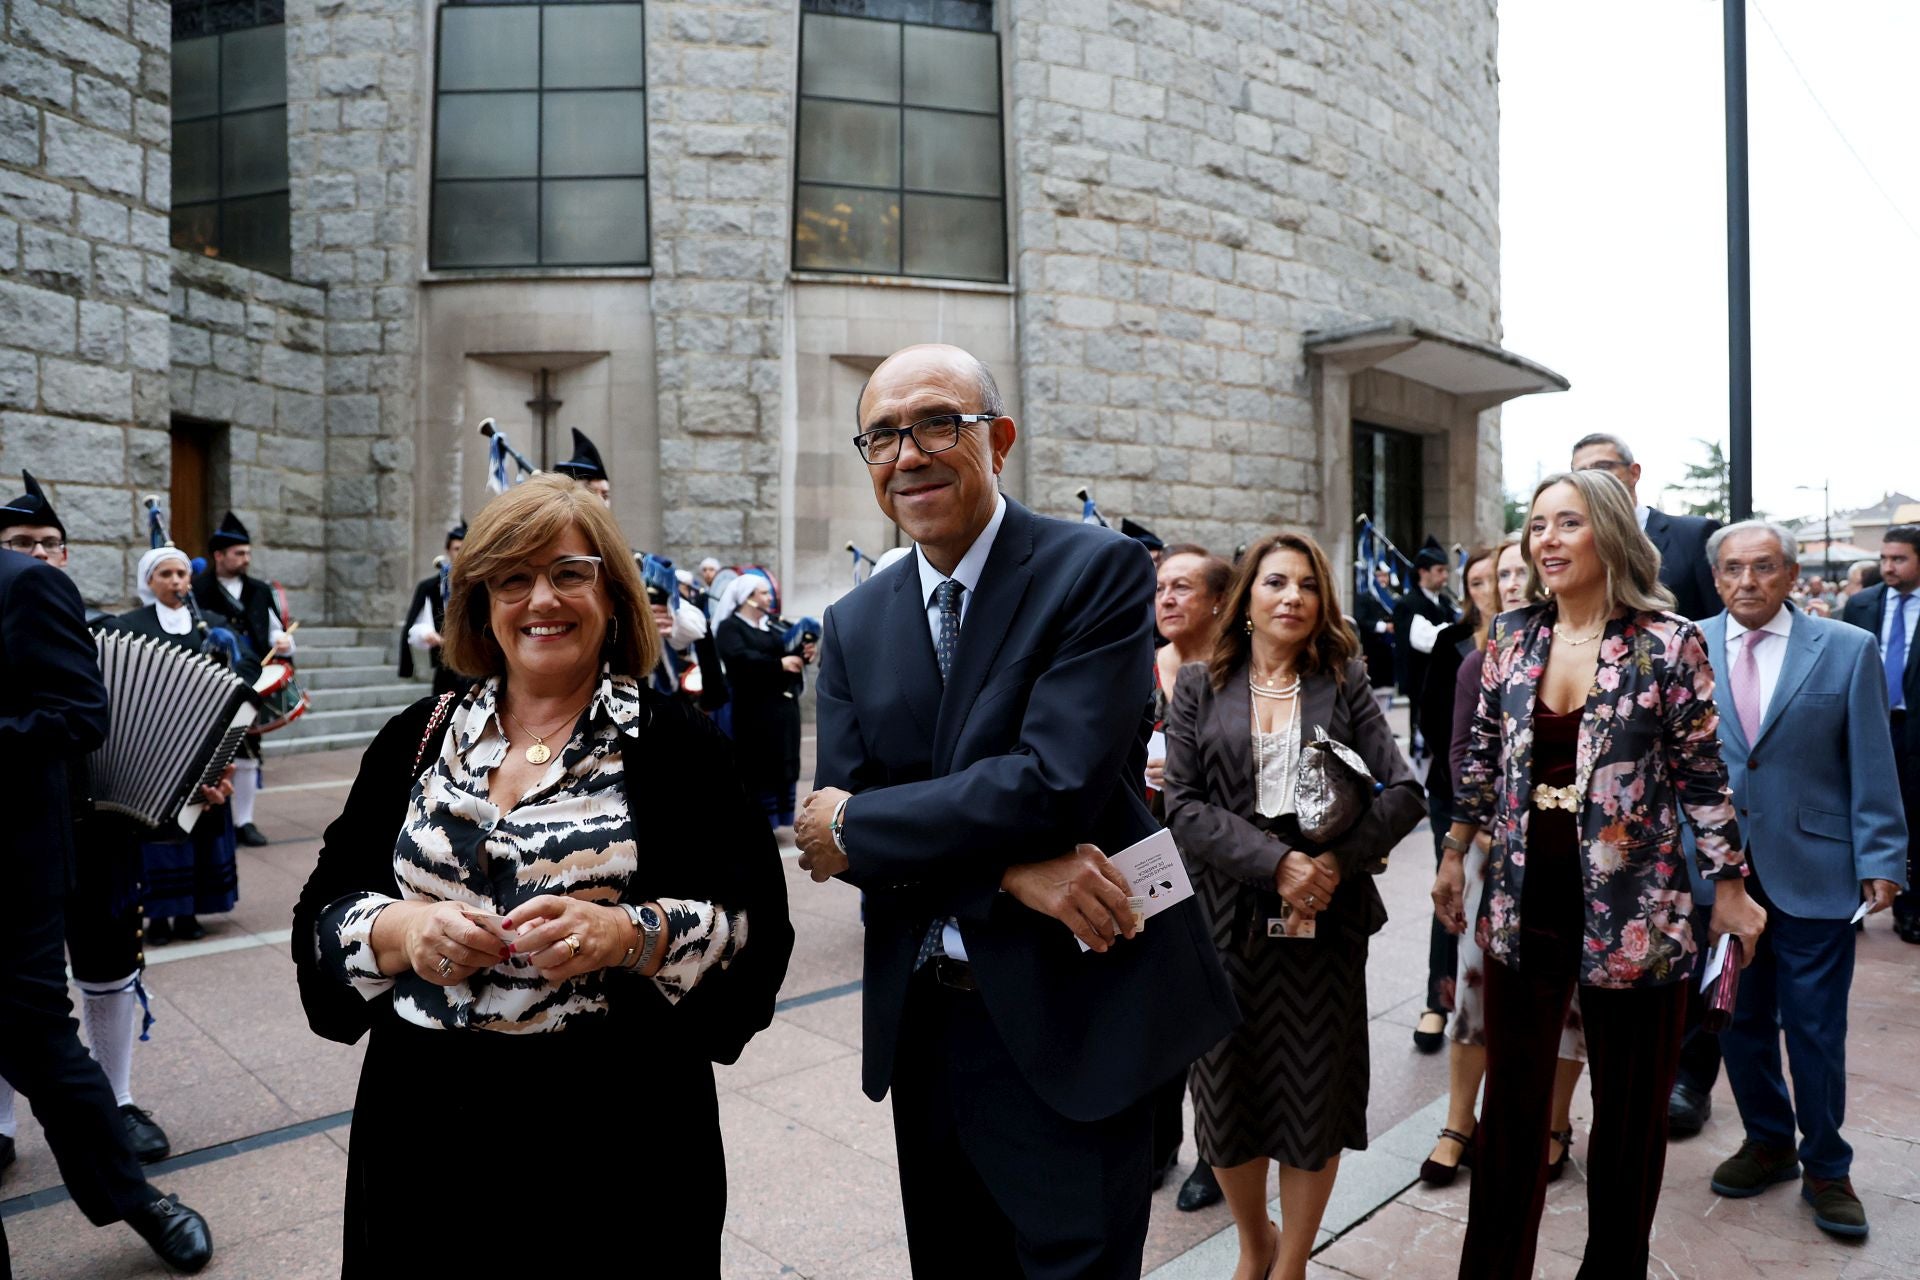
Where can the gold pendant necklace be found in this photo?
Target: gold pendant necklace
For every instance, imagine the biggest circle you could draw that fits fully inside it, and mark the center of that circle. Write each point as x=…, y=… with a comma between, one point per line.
x=540, y=752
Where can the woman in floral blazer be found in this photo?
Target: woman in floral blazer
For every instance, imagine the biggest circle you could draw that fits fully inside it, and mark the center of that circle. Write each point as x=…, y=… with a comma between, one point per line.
x=1595, y=736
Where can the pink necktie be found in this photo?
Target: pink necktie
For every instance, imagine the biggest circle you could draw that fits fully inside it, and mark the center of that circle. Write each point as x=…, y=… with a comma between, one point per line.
x=1746, y=685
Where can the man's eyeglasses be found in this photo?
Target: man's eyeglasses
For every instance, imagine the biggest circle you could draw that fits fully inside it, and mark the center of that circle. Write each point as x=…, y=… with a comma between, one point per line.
x=1734, y=570
x=568, y=576
x=1608, y=465
x=930, y=435
x=26, y=545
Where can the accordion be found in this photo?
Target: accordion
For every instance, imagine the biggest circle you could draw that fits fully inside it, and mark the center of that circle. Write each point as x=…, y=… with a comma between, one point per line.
x=174, y=721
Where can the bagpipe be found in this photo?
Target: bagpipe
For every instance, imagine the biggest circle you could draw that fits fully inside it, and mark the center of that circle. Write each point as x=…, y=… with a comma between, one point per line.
x=863, y=564
x=498, y=451
x=1372, y=552
x=1089, y=509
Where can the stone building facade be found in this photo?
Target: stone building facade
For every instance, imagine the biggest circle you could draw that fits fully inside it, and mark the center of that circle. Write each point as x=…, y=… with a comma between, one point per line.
x=1235, y=263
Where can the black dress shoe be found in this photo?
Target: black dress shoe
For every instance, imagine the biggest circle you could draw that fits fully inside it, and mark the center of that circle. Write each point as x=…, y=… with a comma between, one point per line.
x=1200, y=1190
x=1907, y=930
x=188, y=928
x=6, y=1152
x=250, y=835
x=148, y=1140
x=175, y=1232
x=159, y=932
x=1430, y=1041
x=1687, y=1111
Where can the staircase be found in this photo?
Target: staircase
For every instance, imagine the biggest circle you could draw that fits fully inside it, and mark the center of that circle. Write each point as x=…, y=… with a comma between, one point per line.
x=348, y=673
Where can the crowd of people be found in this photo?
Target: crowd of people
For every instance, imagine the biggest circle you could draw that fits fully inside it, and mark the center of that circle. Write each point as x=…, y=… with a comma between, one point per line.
x=519, y=903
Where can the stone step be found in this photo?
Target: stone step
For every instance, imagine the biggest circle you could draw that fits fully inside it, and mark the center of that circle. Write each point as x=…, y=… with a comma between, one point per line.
x=347, y=677
x=316, y=636
x=393, y=695
x=346, y=656
x=317, y=723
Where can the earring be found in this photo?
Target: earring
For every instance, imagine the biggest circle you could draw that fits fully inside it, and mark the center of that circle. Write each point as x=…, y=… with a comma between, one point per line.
x=1248, y=623
x=1216, y=611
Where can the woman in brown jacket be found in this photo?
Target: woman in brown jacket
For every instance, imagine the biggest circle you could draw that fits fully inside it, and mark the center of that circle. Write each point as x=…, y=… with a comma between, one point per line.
x=1291, y=1083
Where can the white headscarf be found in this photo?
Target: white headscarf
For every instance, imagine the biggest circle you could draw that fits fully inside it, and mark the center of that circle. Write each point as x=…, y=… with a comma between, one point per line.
x=736, y=595
x=151, y=561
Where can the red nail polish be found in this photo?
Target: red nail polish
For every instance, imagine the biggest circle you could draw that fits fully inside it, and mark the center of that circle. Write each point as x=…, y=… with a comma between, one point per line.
x=506, y=924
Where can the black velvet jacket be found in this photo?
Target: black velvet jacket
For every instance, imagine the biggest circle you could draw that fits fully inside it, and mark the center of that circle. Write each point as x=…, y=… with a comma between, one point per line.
x=719, y=851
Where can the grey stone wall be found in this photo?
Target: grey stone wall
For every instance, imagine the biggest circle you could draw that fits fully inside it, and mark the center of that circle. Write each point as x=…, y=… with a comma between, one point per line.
x=84, y=190
x=249, y=352
x=356, y=72
x=1198, y=186
x=720, y=97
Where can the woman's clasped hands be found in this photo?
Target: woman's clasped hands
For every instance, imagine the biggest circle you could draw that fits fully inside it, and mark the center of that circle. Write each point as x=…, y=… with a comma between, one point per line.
x=1307, y=883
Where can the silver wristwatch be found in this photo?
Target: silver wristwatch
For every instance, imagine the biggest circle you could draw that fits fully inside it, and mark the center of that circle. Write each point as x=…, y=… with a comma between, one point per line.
x=649, y=928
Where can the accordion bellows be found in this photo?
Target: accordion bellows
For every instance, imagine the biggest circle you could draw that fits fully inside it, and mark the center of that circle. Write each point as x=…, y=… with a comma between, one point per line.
x=174, y=721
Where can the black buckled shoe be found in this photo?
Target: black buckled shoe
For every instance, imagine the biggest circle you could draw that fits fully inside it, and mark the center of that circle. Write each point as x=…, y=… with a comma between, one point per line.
x=174, y=1232
x=148, y=1140
x=250, y=835
x=1688, y=1111
x=1430, y=1041
x=1201, y=1190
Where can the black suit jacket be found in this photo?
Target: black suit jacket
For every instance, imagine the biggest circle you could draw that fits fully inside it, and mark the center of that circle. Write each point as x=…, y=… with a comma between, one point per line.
x=1409, y=664
x=251, y=617
x=1035, y=743
x=1684, y=567
x=1868, y=611
x=53, y=710
x=426, y=593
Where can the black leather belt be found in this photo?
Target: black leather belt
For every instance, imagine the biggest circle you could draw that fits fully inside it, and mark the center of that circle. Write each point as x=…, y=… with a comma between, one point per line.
x=957, y=974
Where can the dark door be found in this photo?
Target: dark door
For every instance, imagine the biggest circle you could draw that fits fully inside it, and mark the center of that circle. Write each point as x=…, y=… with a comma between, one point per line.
x=1386, y=485
x=190, y=499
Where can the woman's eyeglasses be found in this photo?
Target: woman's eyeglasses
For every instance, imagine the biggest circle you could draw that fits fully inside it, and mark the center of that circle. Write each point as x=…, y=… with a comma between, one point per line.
x=568, y=576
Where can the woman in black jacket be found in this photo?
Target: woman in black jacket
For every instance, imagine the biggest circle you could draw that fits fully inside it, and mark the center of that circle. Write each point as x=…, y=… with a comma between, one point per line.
x=550, y=948
x=765, y=681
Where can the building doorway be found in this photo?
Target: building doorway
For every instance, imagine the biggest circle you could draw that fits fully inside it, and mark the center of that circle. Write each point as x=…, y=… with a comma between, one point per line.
x=191, y=496
x=1387, y=470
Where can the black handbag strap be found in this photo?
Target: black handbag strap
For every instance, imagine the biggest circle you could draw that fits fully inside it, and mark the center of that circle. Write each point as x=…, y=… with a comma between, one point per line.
x=435, y=724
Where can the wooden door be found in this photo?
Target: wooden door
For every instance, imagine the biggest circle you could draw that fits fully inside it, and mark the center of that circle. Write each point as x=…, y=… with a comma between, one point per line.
x=189, y=506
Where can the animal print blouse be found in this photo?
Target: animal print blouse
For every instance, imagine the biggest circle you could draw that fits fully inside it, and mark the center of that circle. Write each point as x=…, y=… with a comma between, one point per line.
x=571, y=834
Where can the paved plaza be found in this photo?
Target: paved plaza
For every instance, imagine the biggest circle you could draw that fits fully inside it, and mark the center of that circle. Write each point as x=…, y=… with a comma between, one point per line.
x=258, y=1108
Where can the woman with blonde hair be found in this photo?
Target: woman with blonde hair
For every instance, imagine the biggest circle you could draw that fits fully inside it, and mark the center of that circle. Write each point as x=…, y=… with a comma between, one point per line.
x=1595, y=732
x=1291, y=916
x=549, y=947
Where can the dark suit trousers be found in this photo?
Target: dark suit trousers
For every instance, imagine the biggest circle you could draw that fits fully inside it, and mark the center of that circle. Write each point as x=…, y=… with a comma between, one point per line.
x=1633, y=1050
x=42, y=1057
x=1906, y=904
x=1798, y=982
x=993, y=1180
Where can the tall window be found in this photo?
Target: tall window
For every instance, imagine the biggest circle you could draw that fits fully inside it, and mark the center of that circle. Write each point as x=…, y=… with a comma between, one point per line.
x=900, y=168
x=1388, y=484
x=230, y=131
x=540, y=136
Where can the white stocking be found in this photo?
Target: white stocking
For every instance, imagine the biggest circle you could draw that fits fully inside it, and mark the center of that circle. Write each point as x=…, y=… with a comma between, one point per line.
x=110, y=1010
x=246, y=785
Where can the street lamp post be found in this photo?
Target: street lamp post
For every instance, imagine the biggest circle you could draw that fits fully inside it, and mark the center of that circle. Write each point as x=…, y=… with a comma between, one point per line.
x=1826, y=520
x=1739, y=280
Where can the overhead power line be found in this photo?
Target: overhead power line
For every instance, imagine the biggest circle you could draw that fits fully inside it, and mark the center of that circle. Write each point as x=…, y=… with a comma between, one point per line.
x=1838, y=132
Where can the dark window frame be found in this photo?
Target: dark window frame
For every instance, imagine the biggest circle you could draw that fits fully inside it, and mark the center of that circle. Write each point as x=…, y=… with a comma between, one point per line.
x=539, y=177
x=900, y=190
x=209, y=19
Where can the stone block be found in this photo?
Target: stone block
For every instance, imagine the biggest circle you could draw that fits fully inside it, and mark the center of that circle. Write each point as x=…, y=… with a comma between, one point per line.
x=296, y=370
x=59, y=449
x=31, y=200
x=97, y=158
x=19, y=380
x=26, y=74
x=57, y=261
x=86, y=390
x=99, y=102
x=36, y=319
x=353, y=415
x=67, y=38
x=103, y=333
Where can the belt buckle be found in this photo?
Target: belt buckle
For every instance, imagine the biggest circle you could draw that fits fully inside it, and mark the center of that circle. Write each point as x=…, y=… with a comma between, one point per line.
x=955, y=974
x=1550, y=797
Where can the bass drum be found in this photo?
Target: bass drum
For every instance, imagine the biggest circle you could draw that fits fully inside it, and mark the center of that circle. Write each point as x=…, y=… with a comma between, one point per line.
x=281, y=698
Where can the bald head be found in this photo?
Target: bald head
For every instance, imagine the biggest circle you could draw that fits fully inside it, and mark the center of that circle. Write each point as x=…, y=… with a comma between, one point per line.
x=958, y=362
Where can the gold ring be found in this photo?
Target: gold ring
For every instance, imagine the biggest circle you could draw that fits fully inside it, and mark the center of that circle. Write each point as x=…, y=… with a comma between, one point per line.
x=573, y=945
x=444, y=968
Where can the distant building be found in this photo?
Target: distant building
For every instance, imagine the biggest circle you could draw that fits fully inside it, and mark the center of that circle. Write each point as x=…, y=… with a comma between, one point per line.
x=1237, y=265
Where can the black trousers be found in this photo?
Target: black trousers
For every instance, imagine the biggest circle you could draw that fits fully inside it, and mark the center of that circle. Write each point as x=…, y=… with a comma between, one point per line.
x=41, y=1056
x=1633, y=1051
x=993, y=1180
x=1906, y=903
x=1700, y=1051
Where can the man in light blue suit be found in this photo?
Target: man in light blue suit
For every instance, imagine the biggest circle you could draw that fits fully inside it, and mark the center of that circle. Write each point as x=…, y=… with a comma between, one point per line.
x=1803, y=729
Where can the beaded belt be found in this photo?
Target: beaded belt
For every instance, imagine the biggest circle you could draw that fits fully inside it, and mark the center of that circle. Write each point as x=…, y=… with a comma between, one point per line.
x=1546, y=797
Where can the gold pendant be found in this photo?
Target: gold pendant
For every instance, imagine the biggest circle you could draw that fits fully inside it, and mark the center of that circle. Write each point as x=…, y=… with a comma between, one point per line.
x=538, y=753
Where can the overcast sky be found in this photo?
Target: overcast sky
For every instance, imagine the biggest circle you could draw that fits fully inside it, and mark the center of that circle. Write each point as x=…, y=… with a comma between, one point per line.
x=1613, y=222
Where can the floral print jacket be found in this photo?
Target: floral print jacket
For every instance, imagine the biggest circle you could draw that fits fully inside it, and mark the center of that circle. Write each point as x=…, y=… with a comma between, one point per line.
x=1648, y=750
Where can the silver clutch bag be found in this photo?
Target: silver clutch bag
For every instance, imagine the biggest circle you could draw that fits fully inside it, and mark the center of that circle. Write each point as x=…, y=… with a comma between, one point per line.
x=1333, y=788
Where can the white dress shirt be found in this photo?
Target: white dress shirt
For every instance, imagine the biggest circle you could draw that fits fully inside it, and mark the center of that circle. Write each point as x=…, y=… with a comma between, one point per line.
x=233, y=587
x=967, y=574
x=1892, y=603
x=1423, y=631
x=1640, y=512
x=1768, y=658
x=175, y=622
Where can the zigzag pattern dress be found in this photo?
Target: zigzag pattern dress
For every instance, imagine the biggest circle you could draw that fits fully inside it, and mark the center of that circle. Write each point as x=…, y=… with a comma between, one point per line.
x=1290, y=1084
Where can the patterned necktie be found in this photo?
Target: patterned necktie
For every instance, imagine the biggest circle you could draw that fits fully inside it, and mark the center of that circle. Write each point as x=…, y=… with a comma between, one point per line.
x=1897, y=650
x=948, y=595
x=1746, y=685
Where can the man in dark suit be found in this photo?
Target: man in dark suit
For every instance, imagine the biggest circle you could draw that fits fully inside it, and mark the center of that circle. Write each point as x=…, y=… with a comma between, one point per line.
x=1890, y=611
x=1373, y=618
x=1418, y=617
x=243, y=605
x=1802, y=701
x=52, y=707
x=427, y=619
x=1685, y=568
x=982, y=729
